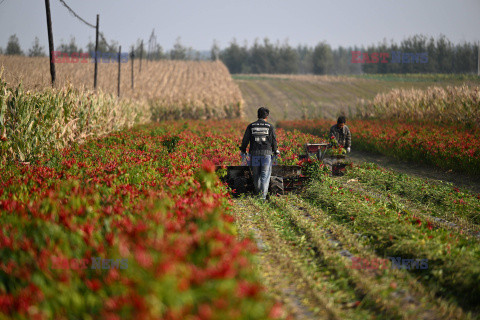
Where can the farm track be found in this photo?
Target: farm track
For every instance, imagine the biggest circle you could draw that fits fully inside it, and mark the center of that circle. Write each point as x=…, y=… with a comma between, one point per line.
x=282, y=266
x=461, y=180
x=305, y=258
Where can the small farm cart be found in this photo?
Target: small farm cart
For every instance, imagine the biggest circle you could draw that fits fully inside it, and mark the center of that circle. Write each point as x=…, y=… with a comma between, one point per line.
x=284, y=178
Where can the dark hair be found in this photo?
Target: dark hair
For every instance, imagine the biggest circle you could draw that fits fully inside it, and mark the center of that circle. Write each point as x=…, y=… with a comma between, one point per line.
x=341, y=119
x=262, y=113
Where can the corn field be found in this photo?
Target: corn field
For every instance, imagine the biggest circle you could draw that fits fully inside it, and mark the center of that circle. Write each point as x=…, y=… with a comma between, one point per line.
x=33, y=122
x=173, y=89
x=453, y=104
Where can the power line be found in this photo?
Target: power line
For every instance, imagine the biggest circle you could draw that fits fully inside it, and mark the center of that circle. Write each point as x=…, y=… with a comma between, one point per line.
x=85, y=22
x=111, y=48
x=75, y=14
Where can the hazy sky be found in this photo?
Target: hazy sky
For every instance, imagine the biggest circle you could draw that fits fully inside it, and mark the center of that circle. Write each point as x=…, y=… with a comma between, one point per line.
x=199, y=22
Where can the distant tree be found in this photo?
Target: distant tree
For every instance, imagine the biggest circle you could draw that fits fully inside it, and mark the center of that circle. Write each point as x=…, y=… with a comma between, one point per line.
x=36, y=50
x=419, y=45
x=1, y=50
x=444, y=55
x=235, y=57
x=340, y=61
x=475, y=56
x=103, y=46
x=198, y=56
x=353, y=68
x=215, y=51
x=322, y=59
x=431, y=66
x=263, y=58
x=287, y=59
x=366, y=66
x=70, y=47
x=463, y=58
x=91, y=46
x=158, y=53
x=383, y=47
x=192, y=54
x=13, y=46
x=305, y=59
x=179, y=52
x=138, y=49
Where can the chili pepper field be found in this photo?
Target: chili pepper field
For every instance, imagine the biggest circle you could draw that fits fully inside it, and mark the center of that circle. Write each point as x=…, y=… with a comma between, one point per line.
x=442, y=145
x=137, y=225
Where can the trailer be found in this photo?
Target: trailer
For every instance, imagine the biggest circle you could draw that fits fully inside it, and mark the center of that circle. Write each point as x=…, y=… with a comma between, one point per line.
x=283, y=180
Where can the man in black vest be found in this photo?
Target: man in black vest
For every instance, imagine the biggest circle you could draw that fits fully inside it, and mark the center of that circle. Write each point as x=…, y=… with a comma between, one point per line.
x=263, y=146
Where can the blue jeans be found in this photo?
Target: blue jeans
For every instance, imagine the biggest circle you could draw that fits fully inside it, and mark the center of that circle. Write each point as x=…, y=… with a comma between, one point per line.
x=261, y=170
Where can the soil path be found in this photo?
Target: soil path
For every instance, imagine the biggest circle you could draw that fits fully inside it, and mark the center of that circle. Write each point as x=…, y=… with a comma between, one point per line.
x=421, y=170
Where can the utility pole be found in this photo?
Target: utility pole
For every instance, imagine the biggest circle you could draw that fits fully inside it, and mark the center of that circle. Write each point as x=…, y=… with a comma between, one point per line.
x=141, y=56
x=132, y=56
x=119, y=69
x=96, y=54
x=50, y=41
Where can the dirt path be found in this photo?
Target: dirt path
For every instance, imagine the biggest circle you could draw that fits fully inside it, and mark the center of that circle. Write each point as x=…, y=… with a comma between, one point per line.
x=305, y=259
x=421, y=170
x=273, y=264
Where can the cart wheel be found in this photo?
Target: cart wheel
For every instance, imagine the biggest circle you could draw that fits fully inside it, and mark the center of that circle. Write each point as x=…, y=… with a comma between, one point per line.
x=276, y=185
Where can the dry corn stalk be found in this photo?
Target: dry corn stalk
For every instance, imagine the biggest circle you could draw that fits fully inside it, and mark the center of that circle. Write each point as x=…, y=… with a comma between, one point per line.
x=174, y=89
x=453, y=104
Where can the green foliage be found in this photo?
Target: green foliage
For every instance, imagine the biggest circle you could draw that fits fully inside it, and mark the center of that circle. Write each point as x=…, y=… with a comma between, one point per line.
x=13, y=46
x=314, y=169
x=179, y=52
x=36, y=50
x=171, y=143
x=393, y=231
x=70, y=47
x=322, y=59
x=105, y=199
x=157, y=132
x=443, y=57
x=32, y=123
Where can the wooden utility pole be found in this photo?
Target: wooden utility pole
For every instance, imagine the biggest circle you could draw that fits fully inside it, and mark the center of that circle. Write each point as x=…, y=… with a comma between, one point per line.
x=141, y=57
x=119, y=69
x=132, y=56
x=50, y=41
x=96, y=54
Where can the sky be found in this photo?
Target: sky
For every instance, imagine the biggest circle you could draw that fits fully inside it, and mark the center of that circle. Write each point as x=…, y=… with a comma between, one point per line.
x=199, y=22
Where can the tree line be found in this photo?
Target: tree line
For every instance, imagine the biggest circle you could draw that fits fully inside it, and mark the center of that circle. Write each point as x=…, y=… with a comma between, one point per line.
x=280, y=58
x=264, y=57
x=178, y=52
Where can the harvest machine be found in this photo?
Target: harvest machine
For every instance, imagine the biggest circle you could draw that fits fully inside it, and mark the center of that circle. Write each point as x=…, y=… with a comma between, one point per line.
x=284, y=178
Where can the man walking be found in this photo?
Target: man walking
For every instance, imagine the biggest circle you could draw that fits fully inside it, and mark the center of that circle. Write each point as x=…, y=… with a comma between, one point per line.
x=263, y=146
x=341, y=133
